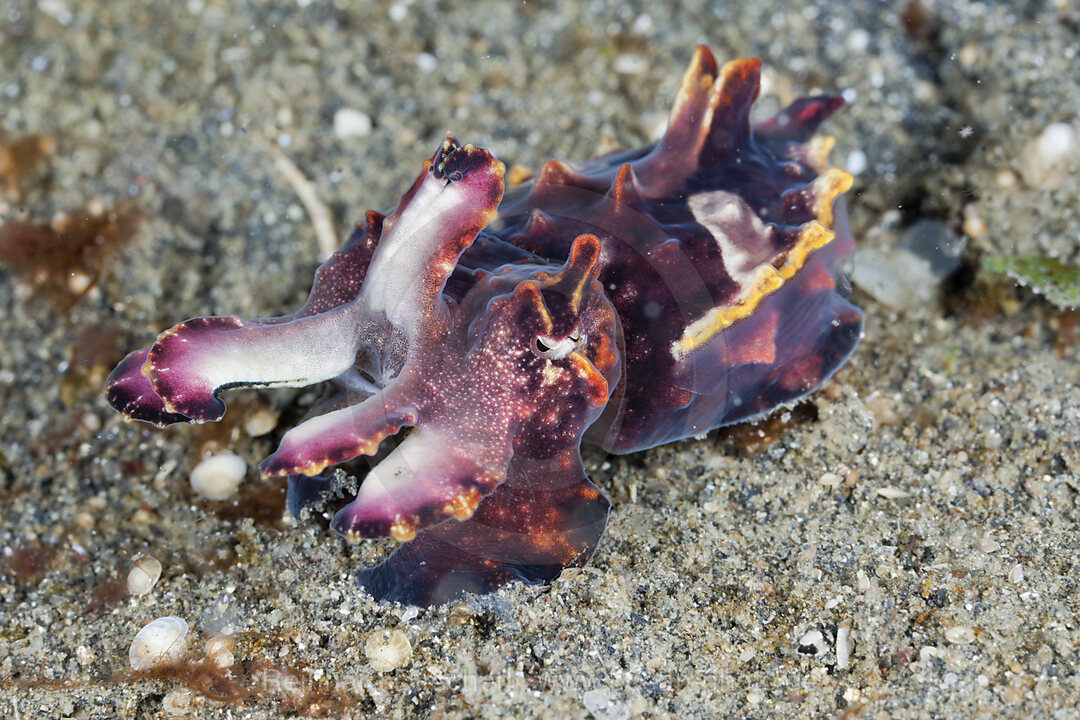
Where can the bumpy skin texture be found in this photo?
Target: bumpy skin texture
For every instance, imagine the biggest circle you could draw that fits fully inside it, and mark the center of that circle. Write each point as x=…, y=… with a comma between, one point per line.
x=642, y=298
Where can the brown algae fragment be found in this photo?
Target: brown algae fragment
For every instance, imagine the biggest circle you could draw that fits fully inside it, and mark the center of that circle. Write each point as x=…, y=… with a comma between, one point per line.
x=19, y=159
x=65, y=258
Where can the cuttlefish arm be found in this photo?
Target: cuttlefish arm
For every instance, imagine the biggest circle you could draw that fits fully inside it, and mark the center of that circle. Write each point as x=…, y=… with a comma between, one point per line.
x=337, y=283
x=189, y=365
x=338, y=436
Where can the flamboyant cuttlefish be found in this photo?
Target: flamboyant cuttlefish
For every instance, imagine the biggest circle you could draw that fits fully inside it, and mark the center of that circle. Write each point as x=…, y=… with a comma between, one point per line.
x=631, y=300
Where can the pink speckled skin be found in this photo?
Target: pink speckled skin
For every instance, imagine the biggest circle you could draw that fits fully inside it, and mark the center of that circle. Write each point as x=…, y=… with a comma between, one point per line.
x=631, y=300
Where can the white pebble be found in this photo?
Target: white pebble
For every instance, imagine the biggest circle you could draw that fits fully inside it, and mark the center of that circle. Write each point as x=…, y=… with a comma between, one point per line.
x=56, y=9
x=79, y=282
x=162, y=640
x=813, y=643
x=858, y=40
x=830, y=479
x=351, y=123
x=603, y=704
x=218, y=477
x=260, y=422
x=144, y=574
x=630, y=64
x=1005, y=179
x=907, y=275
x=968, y=55
x=1045, y=161
x=960, y=635
x=1057, y=139
x=856, y=162
x=426, y=62
x=987, y=545
x=1016, y=575
x=844, y=643
x=388, y=649
x=893, y=493
x=654, y=125
x=974, y=226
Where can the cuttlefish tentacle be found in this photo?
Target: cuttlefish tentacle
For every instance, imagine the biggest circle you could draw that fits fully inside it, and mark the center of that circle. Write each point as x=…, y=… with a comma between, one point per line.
x=453, y=198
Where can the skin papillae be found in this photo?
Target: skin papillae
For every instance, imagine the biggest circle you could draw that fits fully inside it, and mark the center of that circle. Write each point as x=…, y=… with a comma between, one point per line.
x=631, y=300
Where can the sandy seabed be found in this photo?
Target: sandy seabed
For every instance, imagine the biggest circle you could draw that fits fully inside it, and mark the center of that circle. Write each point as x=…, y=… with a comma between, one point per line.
x=924, y=505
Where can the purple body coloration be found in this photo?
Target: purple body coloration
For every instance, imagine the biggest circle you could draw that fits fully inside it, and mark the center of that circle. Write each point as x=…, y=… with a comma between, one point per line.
x=631, y=300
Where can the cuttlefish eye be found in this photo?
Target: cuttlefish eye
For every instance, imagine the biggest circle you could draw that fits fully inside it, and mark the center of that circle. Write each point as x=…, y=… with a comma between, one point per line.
x=552, y=349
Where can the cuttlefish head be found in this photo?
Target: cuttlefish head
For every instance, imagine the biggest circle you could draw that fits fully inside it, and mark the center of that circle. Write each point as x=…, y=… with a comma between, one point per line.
x=554, y=330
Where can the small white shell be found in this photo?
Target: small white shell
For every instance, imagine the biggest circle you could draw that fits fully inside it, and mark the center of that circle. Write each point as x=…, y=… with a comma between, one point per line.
x=260, y=422
x=987, y=545
x=179, y=702
x=219, y=650
x=844, y=643
x=84, y=655
x=218, y=477
x=144, y=574
x=388, y=649
x=830, y=479
x=960, y=635
x=350, y=123
x=1016, y=575
x=162, y=640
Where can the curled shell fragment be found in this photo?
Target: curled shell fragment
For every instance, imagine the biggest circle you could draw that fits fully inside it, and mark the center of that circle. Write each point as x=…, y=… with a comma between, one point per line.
x=144, y=574
x=388, y=650
x=161, y=641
